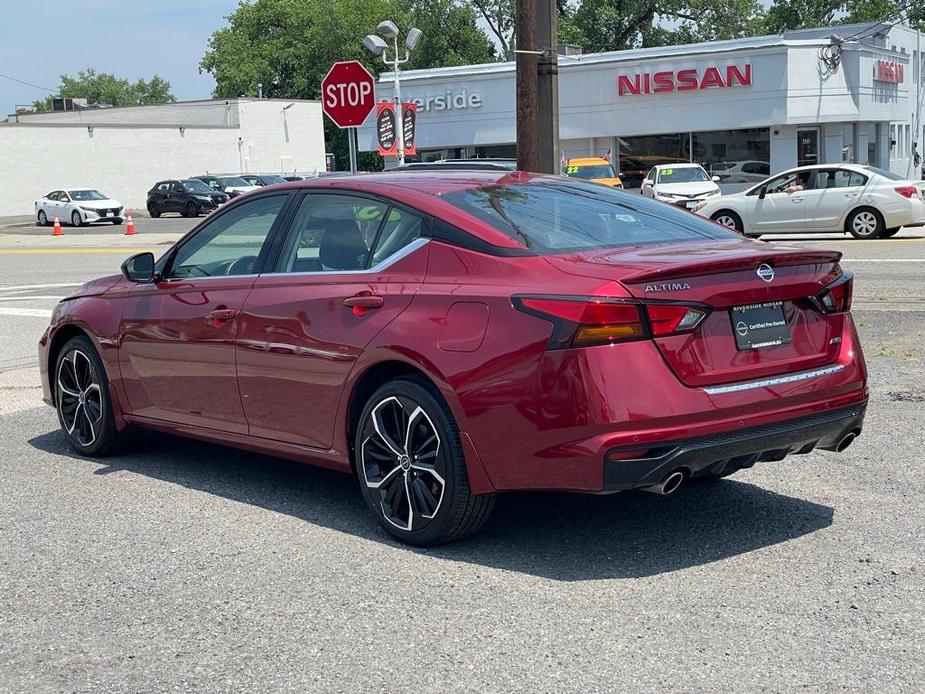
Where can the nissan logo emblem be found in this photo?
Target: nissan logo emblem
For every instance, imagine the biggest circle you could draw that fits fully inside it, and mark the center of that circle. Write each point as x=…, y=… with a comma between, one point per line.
x=742, y=328
x=765, y=272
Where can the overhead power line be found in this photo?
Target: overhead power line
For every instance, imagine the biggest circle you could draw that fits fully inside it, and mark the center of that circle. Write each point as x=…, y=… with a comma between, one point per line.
x=28, y=84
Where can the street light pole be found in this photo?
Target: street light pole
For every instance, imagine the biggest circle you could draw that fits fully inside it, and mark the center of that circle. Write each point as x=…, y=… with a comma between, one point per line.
x=374, y=44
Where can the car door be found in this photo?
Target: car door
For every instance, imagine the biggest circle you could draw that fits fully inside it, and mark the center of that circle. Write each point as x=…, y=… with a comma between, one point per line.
x=823, y=204
x=158, y=195
x=177, y=352
x=776, y=210
x=348, y=267
x=52, y=205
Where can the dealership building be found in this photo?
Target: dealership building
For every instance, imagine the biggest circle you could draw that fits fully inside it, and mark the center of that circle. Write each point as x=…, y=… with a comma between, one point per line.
x=742, y=108
x=124, y=151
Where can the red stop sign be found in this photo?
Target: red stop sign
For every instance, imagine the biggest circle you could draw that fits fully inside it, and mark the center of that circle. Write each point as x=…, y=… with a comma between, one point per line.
x=348, y=93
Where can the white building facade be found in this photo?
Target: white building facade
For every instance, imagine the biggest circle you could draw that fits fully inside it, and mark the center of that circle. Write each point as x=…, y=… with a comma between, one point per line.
x=124, y=151
x=743, y=108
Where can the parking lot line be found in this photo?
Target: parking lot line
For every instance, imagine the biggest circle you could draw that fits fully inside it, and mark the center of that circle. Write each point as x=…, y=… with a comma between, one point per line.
x=76, y=250
x=25, y=287
x=883, y=260
x=29, y=312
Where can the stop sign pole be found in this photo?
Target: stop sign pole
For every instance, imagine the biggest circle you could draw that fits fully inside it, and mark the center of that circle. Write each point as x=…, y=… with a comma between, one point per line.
x=348, y=94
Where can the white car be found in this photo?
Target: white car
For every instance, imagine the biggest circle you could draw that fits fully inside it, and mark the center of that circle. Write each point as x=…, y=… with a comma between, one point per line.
x=684, y=185
x=863, y=201
x=78, y=206
x=235, y=186
x=740, y=171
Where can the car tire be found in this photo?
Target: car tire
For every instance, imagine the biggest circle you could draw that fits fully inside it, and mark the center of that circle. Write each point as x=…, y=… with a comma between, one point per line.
x=76, y=219
x=82, y=399
x=728, y=219
x=411, y=469
x=865, y=223
x=42, y=219
x=890, y=233
x=154, y=210
x=191, y=210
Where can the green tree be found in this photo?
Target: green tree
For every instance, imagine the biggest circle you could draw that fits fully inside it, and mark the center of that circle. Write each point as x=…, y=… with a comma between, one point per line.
x=800, y=14
x=288, y=46
x=106, y=88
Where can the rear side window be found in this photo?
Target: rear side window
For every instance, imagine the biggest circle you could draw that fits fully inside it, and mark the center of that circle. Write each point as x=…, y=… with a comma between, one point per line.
x=552, y=216
x=849, y=179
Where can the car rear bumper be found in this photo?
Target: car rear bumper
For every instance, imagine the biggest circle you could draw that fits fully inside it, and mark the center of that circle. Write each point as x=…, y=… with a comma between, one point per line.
x=732, y=450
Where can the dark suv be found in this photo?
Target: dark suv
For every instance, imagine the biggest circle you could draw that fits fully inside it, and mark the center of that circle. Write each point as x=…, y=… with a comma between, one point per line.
x=190, y=197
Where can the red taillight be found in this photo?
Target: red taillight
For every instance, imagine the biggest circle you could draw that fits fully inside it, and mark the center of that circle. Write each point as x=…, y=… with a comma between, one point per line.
x=671, y=319
x=585, y=321
x=836, y=298
x=907, y=191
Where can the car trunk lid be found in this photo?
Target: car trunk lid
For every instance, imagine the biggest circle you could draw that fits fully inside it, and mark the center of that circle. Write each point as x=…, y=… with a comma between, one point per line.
x=720, y=276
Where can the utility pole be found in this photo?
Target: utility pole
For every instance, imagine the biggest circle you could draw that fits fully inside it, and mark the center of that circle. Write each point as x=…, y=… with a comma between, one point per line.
x=527, y=60
x=547, y=21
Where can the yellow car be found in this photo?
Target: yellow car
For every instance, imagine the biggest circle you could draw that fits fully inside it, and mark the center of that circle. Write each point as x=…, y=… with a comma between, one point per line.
x=596, y=169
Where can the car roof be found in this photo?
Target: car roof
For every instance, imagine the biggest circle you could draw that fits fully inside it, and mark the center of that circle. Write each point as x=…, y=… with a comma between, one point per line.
x=430, y=182
x=578, y=161
x=689, y=165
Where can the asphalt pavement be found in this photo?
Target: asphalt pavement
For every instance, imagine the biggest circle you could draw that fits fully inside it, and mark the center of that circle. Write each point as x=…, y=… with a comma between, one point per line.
x=182, y=566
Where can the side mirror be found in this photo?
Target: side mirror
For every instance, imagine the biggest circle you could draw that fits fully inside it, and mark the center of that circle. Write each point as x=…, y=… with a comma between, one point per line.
x=716, y=179
x=647, y=182
x=139, y=268
x=762, y=191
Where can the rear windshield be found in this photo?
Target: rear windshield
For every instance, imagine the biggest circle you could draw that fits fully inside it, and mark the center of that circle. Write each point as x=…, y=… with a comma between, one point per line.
x=272, y=180
x=889, y=175
x=590, y=171
x=233, y=181
x=555, y=216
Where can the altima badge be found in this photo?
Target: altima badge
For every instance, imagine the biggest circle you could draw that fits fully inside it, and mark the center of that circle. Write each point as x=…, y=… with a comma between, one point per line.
x=765, y=272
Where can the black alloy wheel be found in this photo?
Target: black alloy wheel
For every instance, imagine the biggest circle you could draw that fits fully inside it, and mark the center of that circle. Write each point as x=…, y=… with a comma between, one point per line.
x=154, y=210
x=191, y=209
x=82, y=398
x=411, y=468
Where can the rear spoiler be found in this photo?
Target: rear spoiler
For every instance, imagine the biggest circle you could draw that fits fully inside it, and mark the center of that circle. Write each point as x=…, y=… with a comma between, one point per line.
x=701, y=266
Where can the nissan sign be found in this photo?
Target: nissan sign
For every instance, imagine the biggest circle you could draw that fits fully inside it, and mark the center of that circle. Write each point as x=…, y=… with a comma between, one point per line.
x=687, y=80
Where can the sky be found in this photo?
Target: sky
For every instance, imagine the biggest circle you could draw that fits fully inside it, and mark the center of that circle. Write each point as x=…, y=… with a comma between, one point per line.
x=41, y=39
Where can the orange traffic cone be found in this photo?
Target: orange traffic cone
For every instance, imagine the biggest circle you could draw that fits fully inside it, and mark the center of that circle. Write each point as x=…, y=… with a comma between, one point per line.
x=57, y=230
x=130, y=227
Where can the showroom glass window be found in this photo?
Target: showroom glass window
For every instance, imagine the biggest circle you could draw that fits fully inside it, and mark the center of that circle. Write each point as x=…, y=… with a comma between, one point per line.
x=736, y=156
x=229, y=244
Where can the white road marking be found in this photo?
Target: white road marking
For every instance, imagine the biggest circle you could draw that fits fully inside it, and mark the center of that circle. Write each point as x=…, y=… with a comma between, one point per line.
x=883, y=260
x=30, y=298
x=23, y=287
x=30, y=312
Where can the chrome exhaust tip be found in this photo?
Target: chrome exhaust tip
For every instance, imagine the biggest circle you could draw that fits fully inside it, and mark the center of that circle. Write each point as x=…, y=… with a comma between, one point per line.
x=846, y=441
x=668, y=485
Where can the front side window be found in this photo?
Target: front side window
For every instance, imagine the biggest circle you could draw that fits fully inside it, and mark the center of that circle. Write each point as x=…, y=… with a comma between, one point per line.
x=780, y=184
x=230, y=244
x=557, y=216
x=332, y=233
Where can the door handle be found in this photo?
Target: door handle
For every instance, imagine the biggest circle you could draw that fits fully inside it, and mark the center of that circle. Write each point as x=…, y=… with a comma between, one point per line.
x=220, y=316
x=796, y=199
x=361, y=303
x=851, y=195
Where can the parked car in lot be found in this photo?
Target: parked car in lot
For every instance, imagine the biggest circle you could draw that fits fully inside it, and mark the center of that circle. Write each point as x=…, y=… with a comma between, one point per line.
x=684, y=185
x=78, y=206
x=190, y=197
x=595, y=169
x=232, y=186
x=262, y=180
x=860, y=200
x=739, y=171
x=359, y=323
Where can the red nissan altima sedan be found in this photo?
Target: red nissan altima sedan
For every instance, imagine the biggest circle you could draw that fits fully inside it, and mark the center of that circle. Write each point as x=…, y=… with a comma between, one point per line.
x=447, y=336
